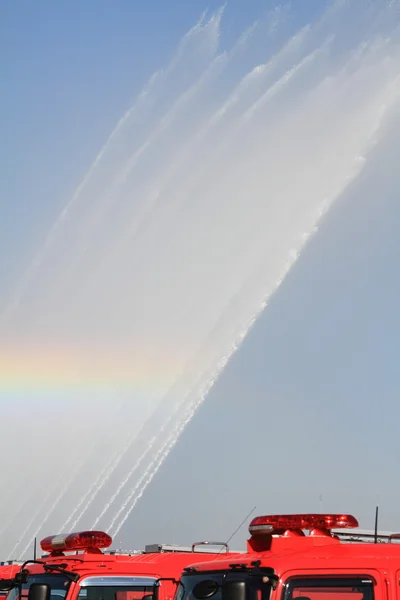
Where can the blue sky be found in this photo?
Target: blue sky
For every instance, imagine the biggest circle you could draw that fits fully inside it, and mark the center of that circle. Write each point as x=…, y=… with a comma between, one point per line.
x=308, y=406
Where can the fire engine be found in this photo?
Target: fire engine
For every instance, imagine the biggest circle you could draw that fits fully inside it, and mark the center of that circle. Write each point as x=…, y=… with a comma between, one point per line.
x=300, y=557
x=76, y=568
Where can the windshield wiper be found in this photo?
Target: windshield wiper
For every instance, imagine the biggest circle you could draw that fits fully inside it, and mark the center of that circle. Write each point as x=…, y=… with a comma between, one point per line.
x=21, y=577
x=71, y=575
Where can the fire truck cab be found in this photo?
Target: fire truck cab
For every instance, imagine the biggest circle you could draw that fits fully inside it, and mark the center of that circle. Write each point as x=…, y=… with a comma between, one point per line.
x=75, y=568
x=282, y=562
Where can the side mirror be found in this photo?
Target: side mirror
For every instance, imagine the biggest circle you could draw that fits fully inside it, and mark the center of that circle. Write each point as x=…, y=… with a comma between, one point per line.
x=233, y=590
x=207, y=588
x=39, y=591
x=6, y=585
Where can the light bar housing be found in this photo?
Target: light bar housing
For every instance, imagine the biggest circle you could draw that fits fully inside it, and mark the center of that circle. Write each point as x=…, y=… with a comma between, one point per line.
x=82, y=540
x=270, y=524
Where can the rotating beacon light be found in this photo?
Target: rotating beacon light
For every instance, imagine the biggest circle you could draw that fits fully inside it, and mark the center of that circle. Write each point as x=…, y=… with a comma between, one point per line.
x=275, y=524
x=90, y=541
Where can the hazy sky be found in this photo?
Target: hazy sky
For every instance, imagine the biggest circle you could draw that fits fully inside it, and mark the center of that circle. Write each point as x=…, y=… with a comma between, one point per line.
x=307, y=408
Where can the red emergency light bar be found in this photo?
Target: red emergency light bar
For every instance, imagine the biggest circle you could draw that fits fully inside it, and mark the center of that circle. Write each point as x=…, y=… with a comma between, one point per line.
x=269, y=524
x=84, y=540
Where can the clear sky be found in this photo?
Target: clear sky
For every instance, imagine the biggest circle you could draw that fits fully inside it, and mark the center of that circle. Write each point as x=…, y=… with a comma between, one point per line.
x=305, y=415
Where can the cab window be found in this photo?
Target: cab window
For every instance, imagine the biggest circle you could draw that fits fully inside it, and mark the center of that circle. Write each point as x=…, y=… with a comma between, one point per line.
x=329, y=589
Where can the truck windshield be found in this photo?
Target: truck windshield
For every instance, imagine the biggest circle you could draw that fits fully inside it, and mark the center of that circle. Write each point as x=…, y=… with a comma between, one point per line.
x=59, y=585
x=112, y=589
x=208, y=586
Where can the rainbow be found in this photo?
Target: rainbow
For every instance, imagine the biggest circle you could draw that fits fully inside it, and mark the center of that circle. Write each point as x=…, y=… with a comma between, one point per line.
x=46, y=368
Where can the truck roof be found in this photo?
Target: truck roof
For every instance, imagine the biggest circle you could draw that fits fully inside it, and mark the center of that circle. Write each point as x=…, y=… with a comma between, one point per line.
x=277, y=540
x=9, y=569
x=333, y=556
x=148, y=563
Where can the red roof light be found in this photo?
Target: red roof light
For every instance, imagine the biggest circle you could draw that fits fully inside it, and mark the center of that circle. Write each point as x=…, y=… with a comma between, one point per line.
x=269, y=524
x=84, y=540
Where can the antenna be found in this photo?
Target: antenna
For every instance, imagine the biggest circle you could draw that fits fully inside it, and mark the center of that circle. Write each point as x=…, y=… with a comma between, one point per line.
x=237, y=528
x=376, y=525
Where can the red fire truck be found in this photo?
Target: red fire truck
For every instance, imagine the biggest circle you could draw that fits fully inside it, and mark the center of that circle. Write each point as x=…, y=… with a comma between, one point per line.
x=90, y=574
x=283, y=563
